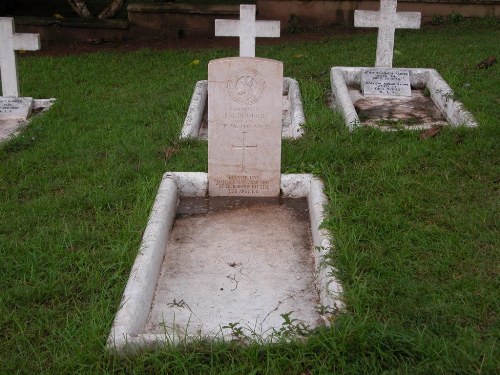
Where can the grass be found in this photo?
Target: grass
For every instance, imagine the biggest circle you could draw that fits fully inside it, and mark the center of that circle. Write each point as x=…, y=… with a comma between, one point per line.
x=415, y=223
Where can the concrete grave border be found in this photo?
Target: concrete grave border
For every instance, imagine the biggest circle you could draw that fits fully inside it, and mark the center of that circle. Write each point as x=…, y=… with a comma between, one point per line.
x=441, y=94
x=291, y=129
x=128, y=330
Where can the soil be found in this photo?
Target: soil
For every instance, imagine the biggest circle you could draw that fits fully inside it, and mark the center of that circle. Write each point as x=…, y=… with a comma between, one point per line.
x=59, y=48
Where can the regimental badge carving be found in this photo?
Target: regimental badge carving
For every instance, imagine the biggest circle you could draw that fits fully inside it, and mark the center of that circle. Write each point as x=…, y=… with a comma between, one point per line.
x=246, y=85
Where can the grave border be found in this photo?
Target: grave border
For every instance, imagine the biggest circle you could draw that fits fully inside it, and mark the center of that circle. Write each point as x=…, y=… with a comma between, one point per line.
x=440, y=92
x=127, y=333
x=198, y=103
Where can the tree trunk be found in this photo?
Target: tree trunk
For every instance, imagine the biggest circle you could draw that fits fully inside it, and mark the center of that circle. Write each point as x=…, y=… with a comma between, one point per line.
x=111, y=9
x=81, y=8
x=83, y=11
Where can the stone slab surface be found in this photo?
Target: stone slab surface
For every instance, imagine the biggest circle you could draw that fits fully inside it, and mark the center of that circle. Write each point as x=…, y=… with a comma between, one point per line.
x=415, y=112
x=244, y=126
x=236, y=260
x=383, y=82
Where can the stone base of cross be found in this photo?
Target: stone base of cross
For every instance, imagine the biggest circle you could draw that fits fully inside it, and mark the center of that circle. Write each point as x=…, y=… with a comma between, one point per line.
x=11, y=42
x=247, y=29
x=387, y=20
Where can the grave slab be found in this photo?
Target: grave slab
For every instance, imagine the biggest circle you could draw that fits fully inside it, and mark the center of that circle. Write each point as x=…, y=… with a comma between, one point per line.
x=244, y=126
x=181, y=289
x=432, y=100
x=196, y=122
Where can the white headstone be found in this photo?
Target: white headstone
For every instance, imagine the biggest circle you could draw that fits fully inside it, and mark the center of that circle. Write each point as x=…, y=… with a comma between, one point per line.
x=11, y=42
x=247, y=29
x=244, y=126
x=387, y=20
x=384, y=82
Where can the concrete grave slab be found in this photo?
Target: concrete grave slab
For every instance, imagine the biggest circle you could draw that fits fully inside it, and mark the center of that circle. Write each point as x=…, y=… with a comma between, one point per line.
x=418, y=112
x=196, y=121
x=244, y=131
x=208, y=262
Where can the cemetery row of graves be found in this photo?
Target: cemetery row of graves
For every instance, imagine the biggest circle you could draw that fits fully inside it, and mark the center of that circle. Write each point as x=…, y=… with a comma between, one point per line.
x=341, y=224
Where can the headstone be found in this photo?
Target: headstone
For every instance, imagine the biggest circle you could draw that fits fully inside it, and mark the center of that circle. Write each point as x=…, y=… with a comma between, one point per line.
x=247, y=29
x=387, y=20
x=244, y=126
x=15, y=108
x=11, y=42
x=385, y=82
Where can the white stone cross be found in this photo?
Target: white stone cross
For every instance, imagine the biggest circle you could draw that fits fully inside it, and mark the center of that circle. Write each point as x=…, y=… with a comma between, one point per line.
x=247, y=29
x=243, y=147
x=387, y=20
x=9, y=43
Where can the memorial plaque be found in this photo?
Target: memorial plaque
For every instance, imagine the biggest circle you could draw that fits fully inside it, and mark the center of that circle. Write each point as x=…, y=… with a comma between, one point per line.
x=385, y=82
x=244, y=126
x=15, y=107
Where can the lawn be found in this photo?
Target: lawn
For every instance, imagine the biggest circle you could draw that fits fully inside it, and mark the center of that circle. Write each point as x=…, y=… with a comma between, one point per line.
x=415, y=223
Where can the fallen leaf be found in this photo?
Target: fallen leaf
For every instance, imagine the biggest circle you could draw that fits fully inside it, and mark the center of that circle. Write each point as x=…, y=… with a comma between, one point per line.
x=486, y=63
x=168, y=152
x=58, y=16
x=194, y=62
x=432, y=132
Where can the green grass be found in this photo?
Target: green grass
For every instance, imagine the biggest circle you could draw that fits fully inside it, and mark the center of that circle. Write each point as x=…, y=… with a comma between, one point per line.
x=415, y=223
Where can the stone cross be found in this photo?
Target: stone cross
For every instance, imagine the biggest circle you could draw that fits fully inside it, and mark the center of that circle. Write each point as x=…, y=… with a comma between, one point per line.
x=9, y=43
x=247, y=29
x=387, y=20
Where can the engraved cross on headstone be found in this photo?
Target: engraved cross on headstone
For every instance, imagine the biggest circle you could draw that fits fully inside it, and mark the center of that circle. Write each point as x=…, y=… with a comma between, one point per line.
x=387, y=20
x=243, y=147
x=9, y=43
x=247, y=29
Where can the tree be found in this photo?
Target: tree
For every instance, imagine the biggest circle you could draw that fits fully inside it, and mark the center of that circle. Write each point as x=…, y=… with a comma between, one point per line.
x=83, y=11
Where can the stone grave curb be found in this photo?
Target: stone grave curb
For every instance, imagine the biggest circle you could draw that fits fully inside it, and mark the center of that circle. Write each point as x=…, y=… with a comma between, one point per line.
x=192, y=122
x=127, y=335
x=441, y=94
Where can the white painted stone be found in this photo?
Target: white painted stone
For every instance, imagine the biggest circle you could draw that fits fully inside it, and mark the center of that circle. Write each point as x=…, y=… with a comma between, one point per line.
x=292, y=120
x=387, y=20
x=244, y=126
x=247, y=29
x=441, y=94
x=11, y=42
x=384, y=82
x=15, y=107
x=129, y=332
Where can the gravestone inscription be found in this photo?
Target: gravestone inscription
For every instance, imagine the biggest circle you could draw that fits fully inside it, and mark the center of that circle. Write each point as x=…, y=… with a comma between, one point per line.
x=244, y=126
x=15, y=108
x=385, y=82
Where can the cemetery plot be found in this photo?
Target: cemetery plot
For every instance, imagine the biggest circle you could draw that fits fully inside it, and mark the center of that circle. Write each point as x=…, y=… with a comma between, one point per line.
x=196, y=121
x=227, y=262
x=431, y=102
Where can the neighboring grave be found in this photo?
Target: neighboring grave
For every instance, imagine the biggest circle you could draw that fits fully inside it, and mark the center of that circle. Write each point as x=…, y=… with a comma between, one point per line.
x=11, y=42
x=387, y=20
x=247, y=29
x=244, y=131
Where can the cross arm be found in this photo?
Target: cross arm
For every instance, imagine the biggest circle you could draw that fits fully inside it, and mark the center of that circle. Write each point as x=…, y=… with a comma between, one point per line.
x=366, y=18
x=408, y=20
x=227, y=27
x=269, y=29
